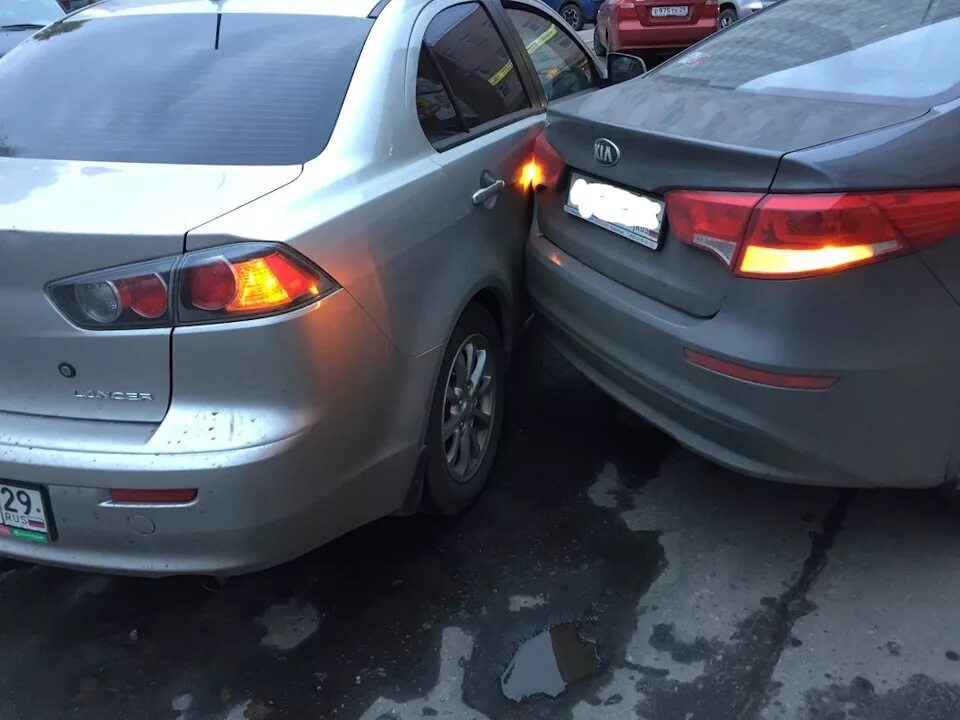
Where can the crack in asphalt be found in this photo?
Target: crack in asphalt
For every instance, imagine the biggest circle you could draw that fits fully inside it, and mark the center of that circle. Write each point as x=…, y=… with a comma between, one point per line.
x=792, y=605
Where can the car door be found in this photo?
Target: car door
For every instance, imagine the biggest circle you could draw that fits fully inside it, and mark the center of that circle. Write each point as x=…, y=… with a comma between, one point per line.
x=478, y=107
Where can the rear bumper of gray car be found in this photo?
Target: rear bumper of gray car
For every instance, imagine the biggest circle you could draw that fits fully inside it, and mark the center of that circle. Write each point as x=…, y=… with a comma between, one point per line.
x=888, y=421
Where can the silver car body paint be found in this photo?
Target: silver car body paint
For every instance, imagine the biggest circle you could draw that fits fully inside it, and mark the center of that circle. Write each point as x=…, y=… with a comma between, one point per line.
x=294, y=428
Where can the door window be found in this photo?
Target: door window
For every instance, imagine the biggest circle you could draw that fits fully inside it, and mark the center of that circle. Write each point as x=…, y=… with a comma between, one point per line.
x=466, y=76
x=563, y=67
x=438, y=117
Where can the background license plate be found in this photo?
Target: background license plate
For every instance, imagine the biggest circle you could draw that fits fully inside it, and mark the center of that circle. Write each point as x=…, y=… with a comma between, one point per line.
x=626, y=213
x=670, y=11
x=24, y=513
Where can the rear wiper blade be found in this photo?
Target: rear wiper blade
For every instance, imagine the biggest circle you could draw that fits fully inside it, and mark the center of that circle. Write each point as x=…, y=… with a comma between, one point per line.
x=23, y=26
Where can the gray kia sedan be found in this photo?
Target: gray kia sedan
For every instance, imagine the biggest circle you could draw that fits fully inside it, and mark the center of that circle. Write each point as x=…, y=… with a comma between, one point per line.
x=757, y=245
x=261, y=269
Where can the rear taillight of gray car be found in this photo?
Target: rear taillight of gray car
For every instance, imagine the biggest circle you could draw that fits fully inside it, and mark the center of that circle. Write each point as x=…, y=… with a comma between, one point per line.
x=783, y=236
x=234, y=282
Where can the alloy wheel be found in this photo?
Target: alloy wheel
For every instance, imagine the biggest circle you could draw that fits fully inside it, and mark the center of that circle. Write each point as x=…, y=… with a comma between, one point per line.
x=571, y=13
x=468, y=408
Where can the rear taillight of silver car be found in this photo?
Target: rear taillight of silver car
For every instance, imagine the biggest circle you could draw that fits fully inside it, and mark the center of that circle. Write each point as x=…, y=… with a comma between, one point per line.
x=783, y=236
x=234, y=282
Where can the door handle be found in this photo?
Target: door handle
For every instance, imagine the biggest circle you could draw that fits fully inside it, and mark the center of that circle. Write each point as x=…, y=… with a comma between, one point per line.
x=481, y=196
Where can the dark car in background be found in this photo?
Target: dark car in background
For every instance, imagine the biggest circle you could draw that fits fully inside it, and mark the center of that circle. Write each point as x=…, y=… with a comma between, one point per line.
x=653, y=29
x=19, y=19
x=756, y=246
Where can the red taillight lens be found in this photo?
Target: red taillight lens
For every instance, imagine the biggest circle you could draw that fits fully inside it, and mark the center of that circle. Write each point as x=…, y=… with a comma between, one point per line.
x=232, y=282
x=795, y=236
x=545, y=168
x=715, y=222
x=213, y=285
x=792, y=236
x=146, y=295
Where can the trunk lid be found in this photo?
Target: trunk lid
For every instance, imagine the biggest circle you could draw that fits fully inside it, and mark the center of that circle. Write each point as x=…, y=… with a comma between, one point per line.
x=59, y=219
x=677, y=136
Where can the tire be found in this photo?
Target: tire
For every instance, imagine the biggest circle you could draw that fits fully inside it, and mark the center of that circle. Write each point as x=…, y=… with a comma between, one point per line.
x=573, y=14
x=455, y=475
x=598, y=49
x=728, y=17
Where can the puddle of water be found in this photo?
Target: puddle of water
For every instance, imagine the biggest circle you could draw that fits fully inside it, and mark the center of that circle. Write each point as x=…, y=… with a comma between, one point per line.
x=548, y=663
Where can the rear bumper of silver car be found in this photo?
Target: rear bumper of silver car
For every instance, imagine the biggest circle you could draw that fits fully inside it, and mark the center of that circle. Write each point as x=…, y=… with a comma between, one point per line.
x=292, y=430
x=880, y=425
x=255, y=507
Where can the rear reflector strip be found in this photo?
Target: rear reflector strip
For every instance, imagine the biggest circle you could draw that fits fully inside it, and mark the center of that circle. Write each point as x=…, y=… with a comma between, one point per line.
x=156, y=497
x=759, y=377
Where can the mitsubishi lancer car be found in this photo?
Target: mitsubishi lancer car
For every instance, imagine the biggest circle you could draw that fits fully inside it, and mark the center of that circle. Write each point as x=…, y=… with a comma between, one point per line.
x=264, y=289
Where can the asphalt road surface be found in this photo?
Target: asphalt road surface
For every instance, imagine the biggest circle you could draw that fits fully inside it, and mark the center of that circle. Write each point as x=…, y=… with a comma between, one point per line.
x=605, y=566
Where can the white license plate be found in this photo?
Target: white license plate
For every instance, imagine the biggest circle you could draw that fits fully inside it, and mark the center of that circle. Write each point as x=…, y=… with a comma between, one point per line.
x=24, y=513
x=670, y=11
x=629, y=214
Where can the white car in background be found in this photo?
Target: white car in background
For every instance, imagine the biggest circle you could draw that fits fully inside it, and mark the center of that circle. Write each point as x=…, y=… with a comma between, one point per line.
x=733, y=10
x=20, y=19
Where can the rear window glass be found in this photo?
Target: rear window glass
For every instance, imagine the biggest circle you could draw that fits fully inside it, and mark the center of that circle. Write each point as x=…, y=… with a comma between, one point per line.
x=232, y=89
x=900, y=51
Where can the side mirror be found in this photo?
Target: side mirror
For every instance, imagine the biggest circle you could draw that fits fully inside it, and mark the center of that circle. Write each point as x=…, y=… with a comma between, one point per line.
x=622, y=67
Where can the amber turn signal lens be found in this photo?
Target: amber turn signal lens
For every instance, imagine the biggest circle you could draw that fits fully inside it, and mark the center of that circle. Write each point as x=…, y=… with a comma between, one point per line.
x=248, y=280
x=270, y=282
x=531, y=175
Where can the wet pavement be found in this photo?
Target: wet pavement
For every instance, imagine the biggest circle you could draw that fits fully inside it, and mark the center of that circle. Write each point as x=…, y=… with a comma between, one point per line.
x=606, y=573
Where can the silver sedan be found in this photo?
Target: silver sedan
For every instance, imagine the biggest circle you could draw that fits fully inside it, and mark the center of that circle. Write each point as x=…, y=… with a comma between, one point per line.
x=261, y=269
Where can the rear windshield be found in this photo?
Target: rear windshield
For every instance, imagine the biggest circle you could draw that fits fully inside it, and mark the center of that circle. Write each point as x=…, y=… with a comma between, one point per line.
x=899, y=51
x=232, y=89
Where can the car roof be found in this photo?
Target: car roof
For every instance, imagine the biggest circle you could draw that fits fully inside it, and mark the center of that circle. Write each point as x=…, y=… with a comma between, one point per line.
x=344, y=8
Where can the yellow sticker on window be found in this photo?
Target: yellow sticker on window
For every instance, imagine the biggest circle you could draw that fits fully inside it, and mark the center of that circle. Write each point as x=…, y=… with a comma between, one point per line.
x=532, y=46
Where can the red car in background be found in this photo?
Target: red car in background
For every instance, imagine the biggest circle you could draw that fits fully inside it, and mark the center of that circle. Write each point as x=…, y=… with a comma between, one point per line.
x=653, y=29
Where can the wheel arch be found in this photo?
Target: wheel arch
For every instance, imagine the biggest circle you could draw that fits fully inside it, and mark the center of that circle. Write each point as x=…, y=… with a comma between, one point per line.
x=493, y=296
x=730, y=6
x=492, y=301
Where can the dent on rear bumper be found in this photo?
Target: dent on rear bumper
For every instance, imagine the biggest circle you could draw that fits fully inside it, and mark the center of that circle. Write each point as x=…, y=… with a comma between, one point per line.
x=632, y=347
x=293, y=430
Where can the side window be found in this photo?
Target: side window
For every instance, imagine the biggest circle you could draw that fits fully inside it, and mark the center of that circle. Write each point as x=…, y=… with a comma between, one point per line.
x=438, y=117
x=562, y=66
x=466, y=77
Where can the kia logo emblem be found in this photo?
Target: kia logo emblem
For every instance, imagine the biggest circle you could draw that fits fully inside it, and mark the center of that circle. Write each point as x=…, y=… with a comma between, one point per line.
x=606, y=152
